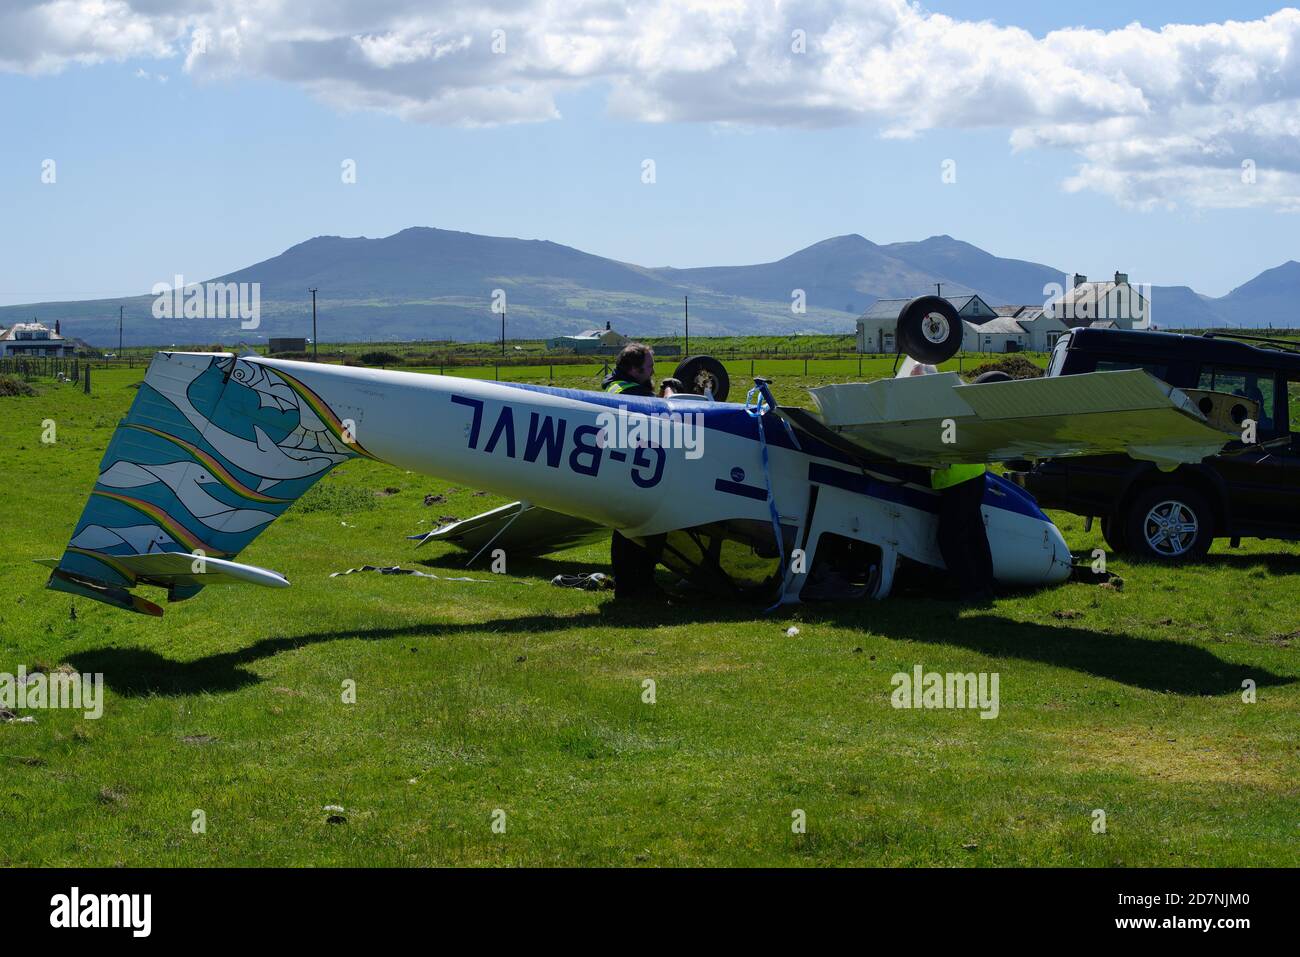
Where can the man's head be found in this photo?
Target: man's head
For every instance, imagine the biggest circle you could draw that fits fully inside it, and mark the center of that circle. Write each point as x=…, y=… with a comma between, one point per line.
x=636, y=362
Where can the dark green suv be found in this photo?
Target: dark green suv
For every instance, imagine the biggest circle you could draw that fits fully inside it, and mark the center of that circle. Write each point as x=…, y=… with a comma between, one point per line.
x=1246, y=491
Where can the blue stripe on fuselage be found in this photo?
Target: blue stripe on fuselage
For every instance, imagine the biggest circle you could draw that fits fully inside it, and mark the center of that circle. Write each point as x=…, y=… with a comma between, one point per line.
x=726, y=417
x=998, y=492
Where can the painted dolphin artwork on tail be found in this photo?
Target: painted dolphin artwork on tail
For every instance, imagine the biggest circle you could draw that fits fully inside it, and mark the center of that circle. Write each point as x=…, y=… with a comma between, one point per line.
x=186, y=480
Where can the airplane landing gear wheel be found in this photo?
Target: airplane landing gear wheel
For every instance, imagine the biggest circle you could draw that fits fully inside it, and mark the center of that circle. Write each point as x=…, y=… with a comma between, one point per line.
x=929, y=330
x=700, y=374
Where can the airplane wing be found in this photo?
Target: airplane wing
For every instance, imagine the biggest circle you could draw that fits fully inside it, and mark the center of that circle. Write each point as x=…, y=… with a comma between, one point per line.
x=938, y=420
x=534, y=532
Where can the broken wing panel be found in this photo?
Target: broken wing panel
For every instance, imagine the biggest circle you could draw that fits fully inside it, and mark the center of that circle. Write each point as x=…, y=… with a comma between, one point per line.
x=535, y=532
x=937, y=420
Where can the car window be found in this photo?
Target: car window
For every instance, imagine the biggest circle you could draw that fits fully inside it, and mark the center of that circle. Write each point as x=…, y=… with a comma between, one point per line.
x=1293, y=404
x=1250, y=383
x=1058, y=355
x=1158, y=369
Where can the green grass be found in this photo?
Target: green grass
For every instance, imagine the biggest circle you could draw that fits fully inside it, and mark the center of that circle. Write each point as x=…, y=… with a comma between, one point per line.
x=517, y=695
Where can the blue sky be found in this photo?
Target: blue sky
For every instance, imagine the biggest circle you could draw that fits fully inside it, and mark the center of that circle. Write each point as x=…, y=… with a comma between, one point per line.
x=208, y=172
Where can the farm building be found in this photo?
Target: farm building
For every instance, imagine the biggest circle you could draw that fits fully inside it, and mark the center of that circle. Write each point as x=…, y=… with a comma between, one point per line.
x=1041, y=328
x=593, y=340
x=1019, y=328
x=288, y=345
x=33, y=339
x=999, y=334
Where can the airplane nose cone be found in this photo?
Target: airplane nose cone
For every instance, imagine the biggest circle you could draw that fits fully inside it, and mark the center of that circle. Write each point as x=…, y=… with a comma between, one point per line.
x=1062, y=560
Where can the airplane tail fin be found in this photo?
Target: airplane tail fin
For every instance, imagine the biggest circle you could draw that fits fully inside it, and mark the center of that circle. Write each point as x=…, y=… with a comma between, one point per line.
x=213, y=449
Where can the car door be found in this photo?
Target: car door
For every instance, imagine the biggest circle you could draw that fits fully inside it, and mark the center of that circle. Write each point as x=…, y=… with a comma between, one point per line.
x=1256, y=474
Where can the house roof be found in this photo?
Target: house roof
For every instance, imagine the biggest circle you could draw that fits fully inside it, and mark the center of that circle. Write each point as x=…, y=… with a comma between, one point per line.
x=885, y=309
x=1019, y=312
x=12, y=332
x=1001, y=325
x=1093, y=292
x=890, y=308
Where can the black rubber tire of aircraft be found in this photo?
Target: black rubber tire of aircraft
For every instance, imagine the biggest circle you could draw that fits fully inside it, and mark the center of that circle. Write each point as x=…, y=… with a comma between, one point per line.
x=1175, y=503
x=993, y=375
x=929, y=330
x=700, y=373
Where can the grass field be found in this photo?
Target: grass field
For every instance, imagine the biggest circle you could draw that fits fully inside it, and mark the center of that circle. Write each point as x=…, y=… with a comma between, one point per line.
x=511, y=694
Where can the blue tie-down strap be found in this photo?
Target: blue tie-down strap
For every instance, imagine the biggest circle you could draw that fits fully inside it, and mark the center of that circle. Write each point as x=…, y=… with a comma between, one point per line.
x=758, y=402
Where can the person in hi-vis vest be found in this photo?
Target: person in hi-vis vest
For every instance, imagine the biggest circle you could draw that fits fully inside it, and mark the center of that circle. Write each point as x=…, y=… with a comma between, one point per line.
x=634, y=565
x=963, y=539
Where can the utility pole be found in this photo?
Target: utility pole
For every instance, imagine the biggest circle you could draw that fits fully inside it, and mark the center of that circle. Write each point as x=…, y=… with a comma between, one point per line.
x=313, y=324
x=686, y=305
x=938, y=289
x=119, y=332
x=503, y=328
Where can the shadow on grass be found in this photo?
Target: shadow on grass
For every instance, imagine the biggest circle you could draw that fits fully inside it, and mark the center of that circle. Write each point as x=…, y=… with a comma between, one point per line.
x=528, y=566
x=1154, y=664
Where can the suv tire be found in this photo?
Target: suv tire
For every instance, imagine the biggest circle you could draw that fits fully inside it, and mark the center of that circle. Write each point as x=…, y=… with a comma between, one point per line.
x=1112, y=533
x=1169, y=523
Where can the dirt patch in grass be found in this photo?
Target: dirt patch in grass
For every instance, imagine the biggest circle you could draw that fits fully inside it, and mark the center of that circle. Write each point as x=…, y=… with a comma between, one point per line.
x=1173, y=757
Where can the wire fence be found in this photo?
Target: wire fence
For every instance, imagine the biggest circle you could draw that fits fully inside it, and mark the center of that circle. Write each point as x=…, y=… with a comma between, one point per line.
x=43, y=367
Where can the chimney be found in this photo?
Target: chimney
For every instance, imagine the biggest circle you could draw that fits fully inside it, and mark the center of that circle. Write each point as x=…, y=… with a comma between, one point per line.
x=56, y=327
x=1080, y=279
x=1121, y=278
x=607, y=325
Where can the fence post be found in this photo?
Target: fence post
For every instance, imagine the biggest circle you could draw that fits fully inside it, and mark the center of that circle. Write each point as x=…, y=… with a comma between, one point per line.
x=87, y=378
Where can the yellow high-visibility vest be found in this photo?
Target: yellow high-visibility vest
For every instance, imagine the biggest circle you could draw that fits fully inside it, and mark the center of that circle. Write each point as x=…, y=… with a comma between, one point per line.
x=955, y=475
x=621, y=385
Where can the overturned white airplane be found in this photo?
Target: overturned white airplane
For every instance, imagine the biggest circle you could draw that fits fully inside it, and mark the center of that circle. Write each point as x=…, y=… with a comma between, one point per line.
x=753, y=497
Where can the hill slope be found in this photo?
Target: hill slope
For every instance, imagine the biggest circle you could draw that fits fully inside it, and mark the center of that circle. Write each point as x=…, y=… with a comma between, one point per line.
x=424, y=283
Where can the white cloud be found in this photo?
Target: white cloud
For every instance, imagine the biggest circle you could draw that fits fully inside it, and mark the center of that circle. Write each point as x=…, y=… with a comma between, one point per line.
x=1156, y=116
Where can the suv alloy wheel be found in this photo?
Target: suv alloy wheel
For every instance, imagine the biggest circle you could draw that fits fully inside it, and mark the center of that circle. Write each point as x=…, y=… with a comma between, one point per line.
x=1169, y=523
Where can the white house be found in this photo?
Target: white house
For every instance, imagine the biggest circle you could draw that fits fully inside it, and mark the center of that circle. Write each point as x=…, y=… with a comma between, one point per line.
x=1087, y=302
x=877, y=325
x=1041, y=328
x=33, y=339
x=999, y=334
x=593, y=340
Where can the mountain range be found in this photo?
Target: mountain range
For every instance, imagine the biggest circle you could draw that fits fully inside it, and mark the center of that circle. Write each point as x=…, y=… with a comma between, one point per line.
x=426, y=284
